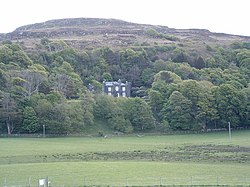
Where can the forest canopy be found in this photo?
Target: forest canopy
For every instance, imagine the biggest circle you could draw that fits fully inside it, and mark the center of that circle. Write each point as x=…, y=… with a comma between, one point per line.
x=173, y=88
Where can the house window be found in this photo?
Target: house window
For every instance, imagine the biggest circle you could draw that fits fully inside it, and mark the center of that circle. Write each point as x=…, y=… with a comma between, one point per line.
x=116, y=88
x=123, y=89
x=118, y=95
x=123, y=94
x=109, y=93
x=109, y=89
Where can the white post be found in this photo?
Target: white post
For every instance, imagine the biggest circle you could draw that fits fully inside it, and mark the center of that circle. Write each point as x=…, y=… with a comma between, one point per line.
x=30, y=181
x=229, y=130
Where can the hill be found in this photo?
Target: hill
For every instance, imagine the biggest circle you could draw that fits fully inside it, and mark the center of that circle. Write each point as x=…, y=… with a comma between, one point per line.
x=181, y=79
x=92, y=32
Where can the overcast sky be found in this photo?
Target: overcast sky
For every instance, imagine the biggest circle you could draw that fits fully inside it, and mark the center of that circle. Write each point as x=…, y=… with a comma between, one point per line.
x=227, y=16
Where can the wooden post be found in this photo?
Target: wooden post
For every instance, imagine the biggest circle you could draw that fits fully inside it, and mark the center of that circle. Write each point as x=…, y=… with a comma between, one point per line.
x=229, y=130
x=44, y=131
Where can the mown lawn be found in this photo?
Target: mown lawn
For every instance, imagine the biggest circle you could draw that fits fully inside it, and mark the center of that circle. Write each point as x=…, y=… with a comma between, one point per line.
x=128, y=160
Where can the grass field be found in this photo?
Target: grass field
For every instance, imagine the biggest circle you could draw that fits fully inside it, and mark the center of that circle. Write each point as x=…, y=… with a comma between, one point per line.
x=197, y=159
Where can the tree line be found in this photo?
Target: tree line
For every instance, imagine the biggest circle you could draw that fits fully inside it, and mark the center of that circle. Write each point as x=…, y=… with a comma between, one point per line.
x=172, y=88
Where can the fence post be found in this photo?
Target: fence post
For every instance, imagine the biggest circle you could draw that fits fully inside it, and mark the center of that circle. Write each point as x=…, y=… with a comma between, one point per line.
x=30, y=181
x=84, y=181
x=217, y=181
x=191, y=180
x=160, y=181
x=126, y=181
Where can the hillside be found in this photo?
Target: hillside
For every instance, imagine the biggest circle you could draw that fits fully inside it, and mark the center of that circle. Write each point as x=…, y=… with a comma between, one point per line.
x=52, y=74
x=92, y=32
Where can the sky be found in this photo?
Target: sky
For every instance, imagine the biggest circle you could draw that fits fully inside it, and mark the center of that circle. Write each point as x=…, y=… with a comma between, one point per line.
x=223, y=16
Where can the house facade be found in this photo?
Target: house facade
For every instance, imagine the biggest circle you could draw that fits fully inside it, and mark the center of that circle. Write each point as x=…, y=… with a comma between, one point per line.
x=117, y=88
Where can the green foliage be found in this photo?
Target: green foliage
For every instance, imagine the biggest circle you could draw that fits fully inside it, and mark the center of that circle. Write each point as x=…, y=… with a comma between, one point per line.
x=30, y=120
x=76, y=116
x=179, y=55
x=155, y=101
x=199, y=63
x=245, y=106
x=207, y=111
x=104, y=106
x=167, y=77
x=119, y=123
x=138, y=112
x=107, y=76
x=211, y=82
x=155, y=34
x=228, y=102
x=109, y=109
x=177, y=111
x=14, y=53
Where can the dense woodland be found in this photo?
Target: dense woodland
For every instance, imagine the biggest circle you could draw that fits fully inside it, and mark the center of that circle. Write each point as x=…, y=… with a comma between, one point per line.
x=173, y=88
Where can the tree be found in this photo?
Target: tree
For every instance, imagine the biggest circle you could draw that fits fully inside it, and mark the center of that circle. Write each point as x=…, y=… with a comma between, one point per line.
x=31, y=79
x=14, y=53
x=5, y=54
x=9, y=111
x=59, y=120
x=245, y=105
x=159, y=65
x=156, y=102
x=87, y=105
x=207, y=112
x=118, y=121
x=30, y=120
x=76, y=116
x=199, y=63
x=228, y=103
x=177, y=111
x=109, y=55
x=109, y=109
x=3, y=79
x=107, y=76
x=168, y=77
x=66, y=81
x=104, y=106
x=185, y=71
x=180, y=55
x=138, y=112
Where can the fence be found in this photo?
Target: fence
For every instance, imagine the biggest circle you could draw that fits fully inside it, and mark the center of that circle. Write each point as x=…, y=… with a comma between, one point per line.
x=56, y=181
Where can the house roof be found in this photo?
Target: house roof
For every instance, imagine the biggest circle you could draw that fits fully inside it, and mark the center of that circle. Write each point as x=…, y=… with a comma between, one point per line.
x=114, y=83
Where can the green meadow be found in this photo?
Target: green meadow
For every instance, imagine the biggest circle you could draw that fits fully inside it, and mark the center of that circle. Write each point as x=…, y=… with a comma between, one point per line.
x=145, y=160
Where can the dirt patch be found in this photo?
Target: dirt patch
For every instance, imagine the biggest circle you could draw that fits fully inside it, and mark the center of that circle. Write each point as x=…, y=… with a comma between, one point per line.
x=185, y=153
x=200, y=153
